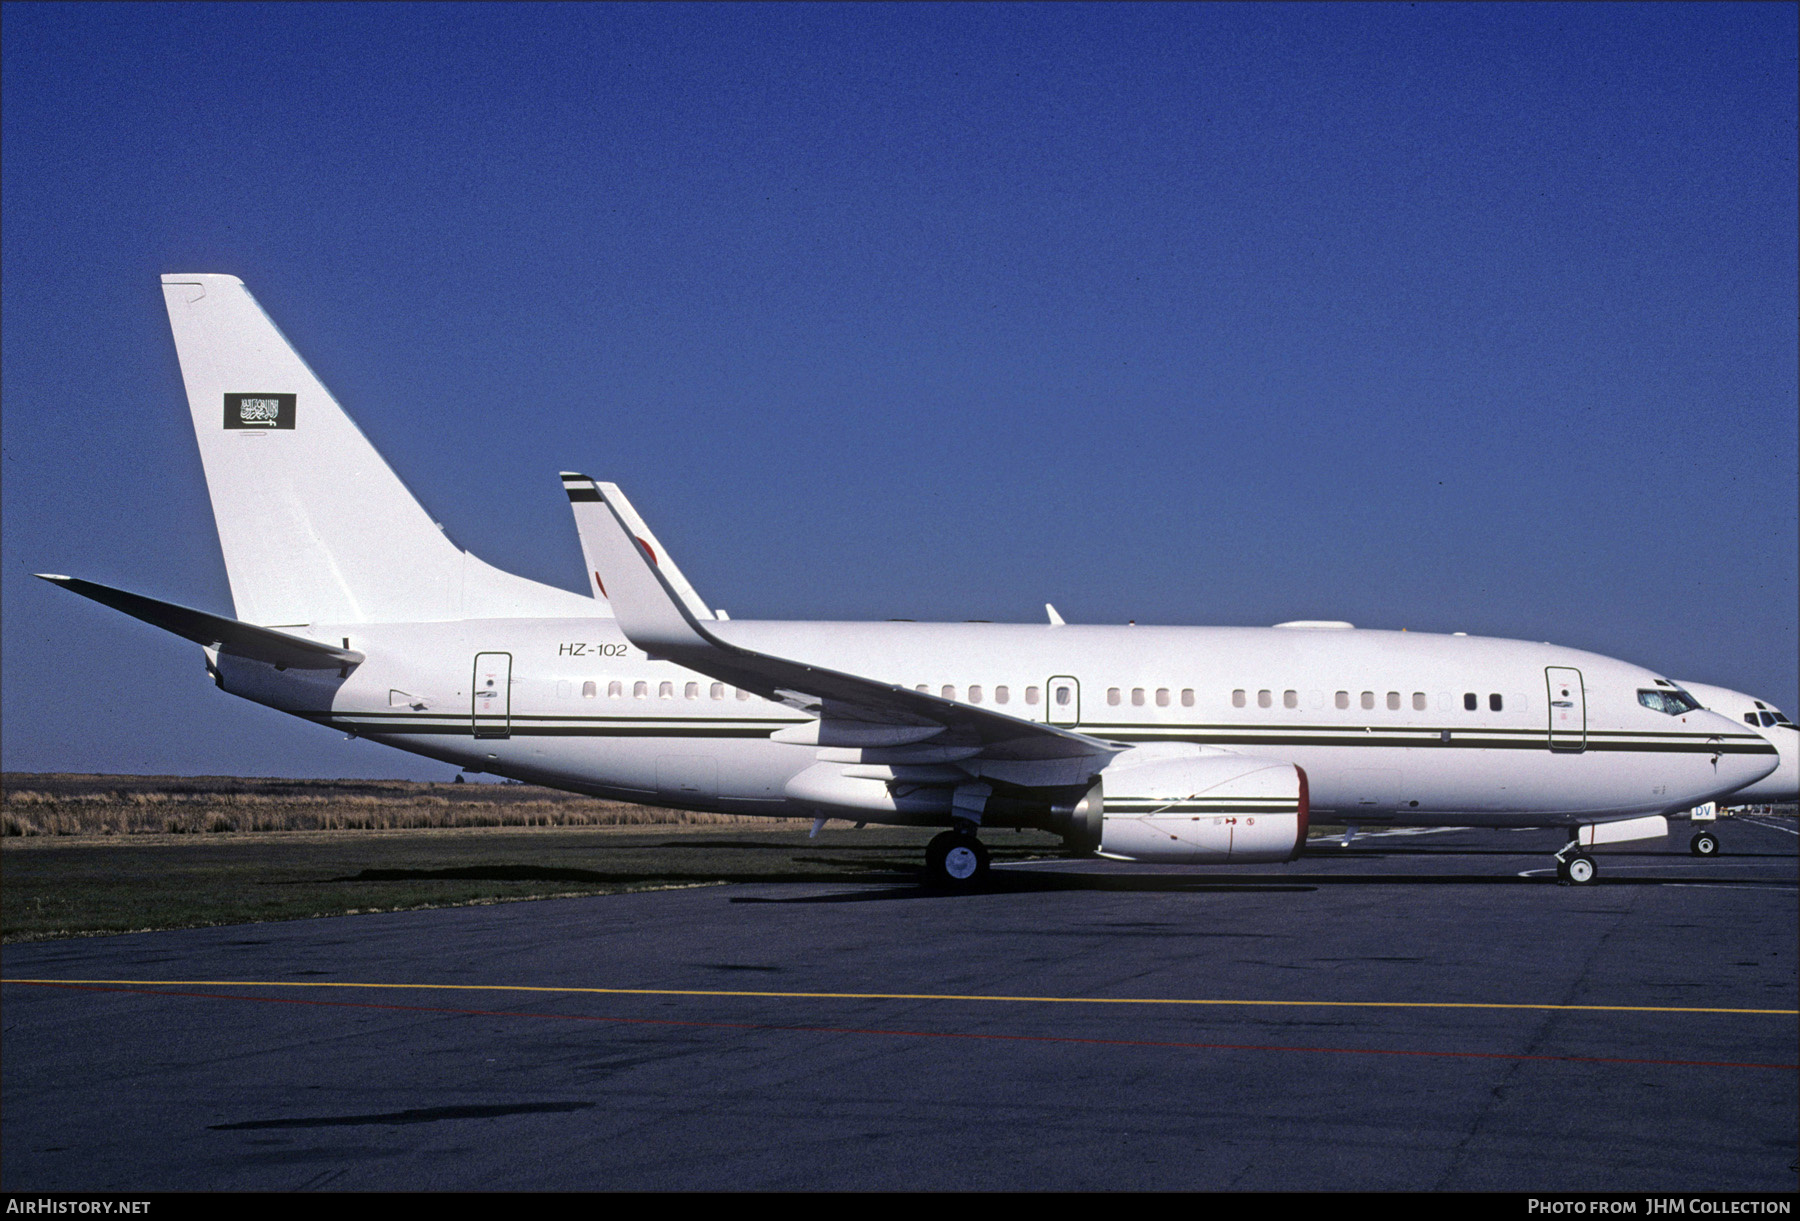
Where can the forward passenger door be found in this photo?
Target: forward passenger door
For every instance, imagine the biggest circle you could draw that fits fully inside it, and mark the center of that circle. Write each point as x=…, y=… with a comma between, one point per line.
x=1568, y=709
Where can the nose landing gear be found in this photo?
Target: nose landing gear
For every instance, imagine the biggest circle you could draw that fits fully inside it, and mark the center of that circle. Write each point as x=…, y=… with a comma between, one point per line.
x=1576, y=870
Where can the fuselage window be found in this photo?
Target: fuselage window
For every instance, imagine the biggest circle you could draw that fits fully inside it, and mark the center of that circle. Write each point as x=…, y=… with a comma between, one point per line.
x=640, y=690
x=615, y=689
x=1112, y=695
x=1137, y=697
x=1418, y=701
x=1187, y=697
x=975, y=693
x=1162, y=697
x=1290, y=699
x=718, y=691
x=949, y=692
x=1237, y=698
x=1265, y=699
x=1470, y=703
x=1368, y=699
x=742, y=694
x=1393, y=701
x=1031, y=695
x=925, y=687
x=1001, y=695
x=665, y=691
x=1495, y=702
x=1343, y=699
x=590, y=689
x=1063, y=696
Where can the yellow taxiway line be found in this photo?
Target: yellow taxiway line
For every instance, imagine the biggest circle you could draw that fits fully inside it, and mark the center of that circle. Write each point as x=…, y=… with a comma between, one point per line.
x=896, y=996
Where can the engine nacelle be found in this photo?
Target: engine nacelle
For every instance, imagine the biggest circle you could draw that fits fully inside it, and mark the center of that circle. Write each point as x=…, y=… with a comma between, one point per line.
x=1211, y=807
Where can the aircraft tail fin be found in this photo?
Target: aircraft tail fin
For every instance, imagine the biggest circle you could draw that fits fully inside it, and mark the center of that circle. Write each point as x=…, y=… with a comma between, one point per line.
x=314, y=525
x=587, y=500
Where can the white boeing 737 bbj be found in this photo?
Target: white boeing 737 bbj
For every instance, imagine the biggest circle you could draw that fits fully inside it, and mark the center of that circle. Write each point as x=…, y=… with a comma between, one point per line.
x=1172, y=744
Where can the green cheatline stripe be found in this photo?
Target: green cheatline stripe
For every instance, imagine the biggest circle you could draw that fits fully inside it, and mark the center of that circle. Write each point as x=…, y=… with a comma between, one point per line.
x=889, y=996
x=1347, y=734
x=521, y=726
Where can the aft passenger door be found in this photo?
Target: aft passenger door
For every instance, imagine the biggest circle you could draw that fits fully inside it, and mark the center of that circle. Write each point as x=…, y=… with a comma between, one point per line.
x=1062, y=701
x=490, y=710
x=1568, y=709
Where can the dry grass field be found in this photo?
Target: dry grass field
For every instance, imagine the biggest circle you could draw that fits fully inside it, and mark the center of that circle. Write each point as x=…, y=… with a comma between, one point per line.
x=61, y=804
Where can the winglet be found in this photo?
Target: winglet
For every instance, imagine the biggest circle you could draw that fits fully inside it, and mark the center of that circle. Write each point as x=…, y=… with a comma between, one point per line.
x=653, y=616
x=588, y=498
x=1056, y=620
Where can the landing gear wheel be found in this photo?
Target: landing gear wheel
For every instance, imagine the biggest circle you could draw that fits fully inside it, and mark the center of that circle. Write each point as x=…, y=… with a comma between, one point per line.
x=1704, y=843
x=956, y=860
x=1579, y=870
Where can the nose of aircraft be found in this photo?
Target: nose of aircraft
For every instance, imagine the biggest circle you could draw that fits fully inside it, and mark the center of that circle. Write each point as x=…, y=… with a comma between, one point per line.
x=1782, y=784
x=1736, y=767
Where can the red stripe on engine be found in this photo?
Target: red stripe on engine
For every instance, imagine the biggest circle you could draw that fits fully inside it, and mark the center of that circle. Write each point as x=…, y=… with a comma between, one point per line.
x=1301, y=821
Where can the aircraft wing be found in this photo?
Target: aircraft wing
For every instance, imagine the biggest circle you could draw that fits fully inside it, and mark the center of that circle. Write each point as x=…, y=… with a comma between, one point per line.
x=852, y=710
x=215, y=631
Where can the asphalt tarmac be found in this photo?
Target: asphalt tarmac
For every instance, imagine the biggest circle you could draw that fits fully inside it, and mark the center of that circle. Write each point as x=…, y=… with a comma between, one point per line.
x=1417, y=1012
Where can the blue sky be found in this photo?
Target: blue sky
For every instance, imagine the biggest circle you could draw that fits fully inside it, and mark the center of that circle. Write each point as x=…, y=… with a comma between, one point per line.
x=1454, y=317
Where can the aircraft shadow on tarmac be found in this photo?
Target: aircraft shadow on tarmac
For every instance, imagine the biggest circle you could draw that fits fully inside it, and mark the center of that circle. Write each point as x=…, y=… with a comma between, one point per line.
x=417, y=1115
x=881, y=878
x=1004, y=882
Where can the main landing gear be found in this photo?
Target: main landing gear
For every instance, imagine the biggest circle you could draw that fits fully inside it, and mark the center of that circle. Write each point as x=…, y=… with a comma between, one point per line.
x=956, y=861
x=1704, y=843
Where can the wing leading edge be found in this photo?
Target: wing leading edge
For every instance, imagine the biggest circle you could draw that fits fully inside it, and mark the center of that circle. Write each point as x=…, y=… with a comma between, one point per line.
x=852, y=709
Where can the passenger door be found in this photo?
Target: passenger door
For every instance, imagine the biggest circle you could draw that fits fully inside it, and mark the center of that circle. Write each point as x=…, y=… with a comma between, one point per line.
x=490, y=708
x=1568, y=709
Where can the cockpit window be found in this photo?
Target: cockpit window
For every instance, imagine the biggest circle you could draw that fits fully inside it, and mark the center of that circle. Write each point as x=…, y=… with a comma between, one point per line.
x=1673, y=703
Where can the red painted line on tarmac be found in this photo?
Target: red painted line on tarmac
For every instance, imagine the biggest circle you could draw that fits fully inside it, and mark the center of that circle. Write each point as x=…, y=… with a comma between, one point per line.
x=912, y=1034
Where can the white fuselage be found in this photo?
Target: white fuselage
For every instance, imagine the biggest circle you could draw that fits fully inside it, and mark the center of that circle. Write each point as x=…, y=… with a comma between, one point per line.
x=1781, y=785
x=1380, y=721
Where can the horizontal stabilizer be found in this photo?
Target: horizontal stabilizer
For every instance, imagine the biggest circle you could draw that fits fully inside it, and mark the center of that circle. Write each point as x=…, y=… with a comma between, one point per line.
x=216, y=631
